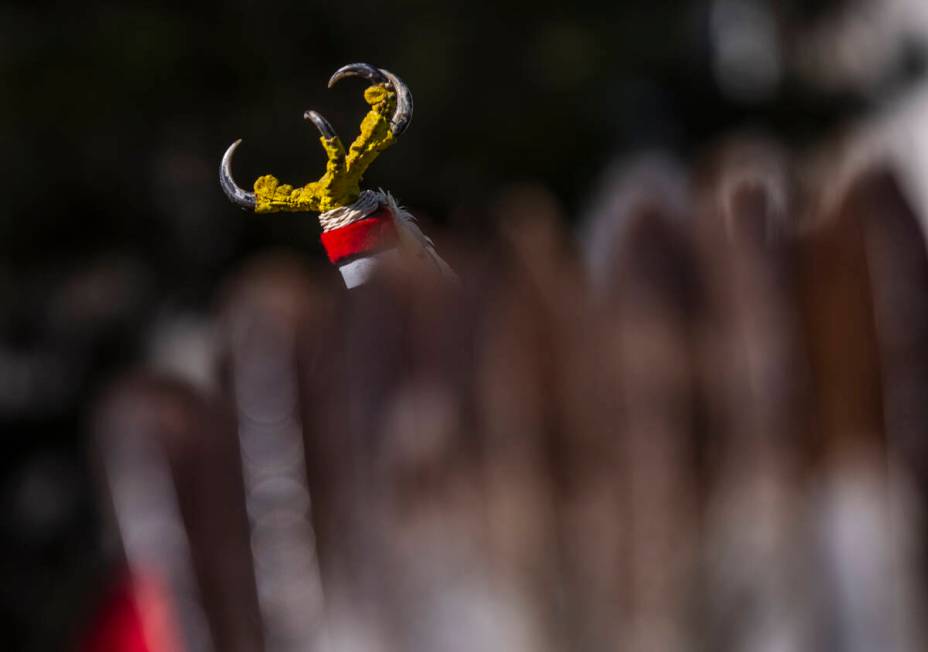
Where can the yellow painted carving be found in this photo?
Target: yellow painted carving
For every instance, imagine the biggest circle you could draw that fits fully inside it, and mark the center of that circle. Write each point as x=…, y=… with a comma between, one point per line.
x=341, y=183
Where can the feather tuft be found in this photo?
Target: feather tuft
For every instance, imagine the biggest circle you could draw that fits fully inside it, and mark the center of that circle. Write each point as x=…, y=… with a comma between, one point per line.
x=413, y=241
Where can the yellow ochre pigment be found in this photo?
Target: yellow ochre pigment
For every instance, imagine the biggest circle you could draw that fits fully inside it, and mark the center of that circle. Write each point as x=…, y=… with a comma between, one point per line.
x=341, y=183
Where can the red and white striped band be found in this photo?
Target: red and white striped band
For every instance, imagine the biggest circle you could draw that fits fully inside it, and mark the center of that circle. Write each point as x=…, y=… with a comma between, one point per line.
x=374, y=233
x=361, y=247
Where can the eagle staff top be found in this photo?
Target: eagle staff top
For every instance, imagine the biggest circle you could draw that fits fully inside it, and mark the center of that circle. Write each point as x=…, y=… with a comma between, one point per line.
x=361, y=229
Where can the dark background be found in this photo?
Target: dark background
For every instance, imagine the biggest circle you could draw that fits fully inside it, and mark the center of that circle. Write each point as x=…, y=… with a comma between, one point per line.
x=113, y=117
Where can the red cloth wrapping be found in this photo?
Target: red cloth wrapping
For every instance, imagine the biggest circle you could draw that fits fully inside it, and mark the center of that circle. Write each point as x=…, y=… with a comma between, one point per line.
x=375, y=232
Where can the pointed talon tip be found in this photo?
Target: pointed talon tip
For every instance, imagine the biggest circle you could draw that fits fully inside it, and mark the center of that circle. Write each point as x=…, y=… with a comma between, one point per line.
x=326, y=129
x=337, y=76
x=365, y=70
x=238, y=196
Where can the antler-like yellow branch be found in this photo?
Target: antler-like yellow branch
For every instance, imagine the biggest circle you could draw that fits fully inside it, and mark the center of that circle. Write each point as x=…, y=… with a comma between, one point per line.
x=341, y=183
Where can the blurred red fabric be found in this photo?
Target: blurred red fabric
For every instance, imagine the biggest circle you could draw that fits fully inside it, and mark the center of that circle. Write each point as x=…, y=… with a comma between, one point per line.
x=133, y=617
